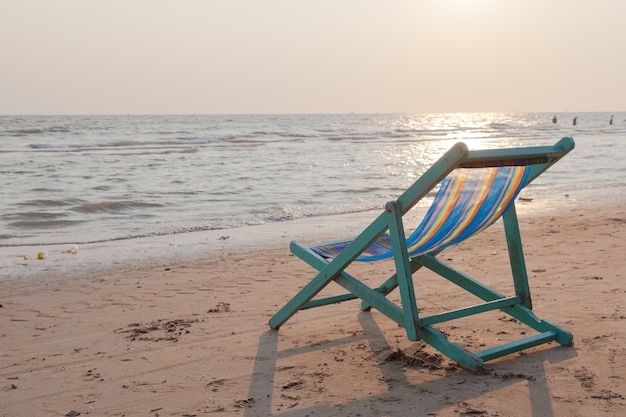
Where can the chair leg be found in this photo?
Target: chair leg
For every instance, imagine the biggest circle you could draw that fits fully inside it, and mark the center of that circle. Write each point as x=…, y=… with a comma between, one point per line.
x=404, y=275
x=454, y=351
x=302, y=297
x=520, y=309
x=526, y=316
x=516, y=256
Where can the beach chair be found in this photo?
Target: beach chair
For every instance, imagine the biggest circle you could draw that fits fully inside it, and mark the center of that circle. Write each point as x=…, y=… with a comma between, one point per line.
x=476, y=188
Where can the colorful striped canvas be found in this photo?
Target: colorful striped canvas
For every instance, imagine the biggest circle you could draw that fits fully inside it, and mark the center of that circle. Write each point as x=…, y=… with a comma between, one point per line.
x=469, y=200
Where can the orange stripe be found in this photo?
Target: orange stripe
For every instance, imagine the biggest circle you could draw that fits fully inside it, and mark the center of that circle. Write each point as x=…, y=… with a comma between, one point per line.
x=450, y=203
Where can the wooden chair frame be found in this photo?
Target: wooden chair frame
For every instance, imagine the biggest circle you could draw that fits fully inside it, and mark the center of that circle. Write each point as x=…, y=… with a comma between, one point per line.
x=390, y=221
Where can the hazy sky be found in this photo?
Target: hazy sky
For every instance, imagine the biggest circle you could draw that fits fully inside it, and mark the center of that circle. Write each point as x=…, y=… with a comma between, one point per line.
x=313, y=56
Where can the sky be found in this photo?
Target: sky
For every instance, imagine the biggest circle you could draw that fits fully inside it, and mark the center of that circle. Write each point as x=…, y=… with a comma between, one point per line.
x=311, y=56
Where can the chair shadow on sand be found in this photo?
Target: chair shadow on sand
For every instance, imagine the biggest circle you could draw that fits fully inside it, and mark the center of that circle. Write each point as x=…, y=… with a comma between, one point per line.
x=438, y=391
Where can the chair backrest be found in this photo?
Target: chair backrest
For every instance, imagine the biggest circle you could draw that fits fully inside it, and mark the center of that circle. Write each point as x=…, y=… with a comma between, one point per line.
x=469, y=200
x=476, y=188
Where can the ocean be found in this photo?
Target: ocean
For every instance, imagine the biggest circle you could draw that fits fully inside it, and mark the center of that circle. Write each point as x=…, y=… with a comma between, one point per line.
x=71, y=182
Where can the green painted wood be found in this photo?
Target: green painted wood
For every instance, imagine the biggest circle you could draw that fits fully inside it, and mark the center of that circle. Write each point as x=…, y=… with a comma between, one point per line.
x=432, y=177
x=526, y=316
x=376, y=300
x=459, y=278
x=516, y=346
x=469, y=311
x=516, y=256
x=392, y=283
x=403, y=271
x=407, y=315
x=356, y=288
x=454, y=351
x=328, y=300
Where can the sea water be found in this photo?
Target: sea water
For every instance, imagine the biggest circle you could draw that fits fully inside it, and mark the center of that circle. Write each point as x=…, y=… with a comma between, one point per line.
x=71, y=181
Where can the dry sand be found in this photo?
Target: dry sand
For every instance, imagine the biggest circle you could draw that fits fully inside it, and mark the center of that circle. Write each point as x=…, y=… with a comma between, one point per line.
x=189, y=337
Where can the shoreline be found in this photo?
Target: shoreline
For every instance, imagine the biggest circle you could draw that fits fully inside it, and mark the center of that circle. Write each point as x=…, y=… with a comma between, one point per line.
x=188, y=335
x=21, y=262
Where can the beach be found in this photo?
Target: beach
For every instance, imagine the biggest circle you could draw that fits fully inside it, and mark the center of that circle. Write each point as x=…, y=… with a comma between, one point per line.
x=165, y=170
x=188, y=335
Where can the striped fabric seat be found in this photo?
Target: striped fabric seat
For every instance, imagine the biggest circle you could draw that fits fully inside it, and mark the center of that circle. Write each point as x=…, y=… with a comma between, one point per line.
x=469, y=199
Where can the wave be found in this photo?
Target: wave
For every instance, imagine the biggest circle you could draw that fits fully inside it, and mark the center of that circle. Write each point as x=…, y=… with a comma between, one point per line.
x=254, y=138
x=27, y=215
x=288, y=215
x=181, y=230
x=43, y=224
x=27, y=130
x=367, y=190
x=37, y=130
x=49, y=203
x=113, y=206
x=292, y=213
x=183, y=144
x=249, y=142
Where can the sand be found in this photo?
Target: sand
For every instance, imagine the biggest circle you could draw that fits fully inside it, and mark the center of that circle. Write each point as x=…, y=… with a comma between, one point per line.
x=189, y=336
